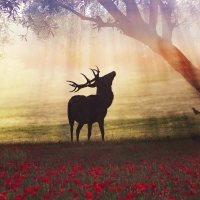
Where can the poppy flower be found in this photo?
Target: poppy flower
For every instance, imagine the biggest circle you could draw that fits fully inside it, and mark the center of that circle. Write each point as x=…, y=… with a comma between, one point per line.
x=191, y=193
x=47, y=196
x=10, y=164
x=194, y=186
x=29, y=191
x=118, y=189
x=77, y=182
x=46, y=180
x=131, y=195
x=62, y=168
x=20, y=197
x=108, y=181
x=111, y=188
x=98, y=189
x=88, y=195
x=75, y=194
x=3, y=197
x=36, y=188
x=50, y=173
x=70, y=190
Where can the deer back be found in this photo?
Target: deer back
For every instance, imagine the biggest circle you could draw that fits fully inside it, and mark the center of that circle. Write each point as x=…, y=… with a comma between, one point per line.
x=88, y=109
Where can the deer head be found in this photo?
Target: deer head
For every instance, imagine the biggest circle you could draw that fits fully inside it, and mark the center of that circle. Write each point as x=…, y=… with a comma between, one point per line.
x=99, y=82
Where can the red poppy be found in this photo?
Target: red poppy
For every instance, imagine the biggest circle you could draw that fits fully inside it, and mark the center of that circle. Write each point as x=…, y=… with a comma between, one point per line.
x=98, y=189
x=62, y=168
x=46, y=179
x=67, y=180
x=29, y=191
x=71, y=175
x=189, y=171
x=194, y=186
x=20, y=197
x=50, y=173
x=36, y=188
x=168, y=174
x=10, y=164
x=75, y=194
x=47, y=196
x=191, y=193
x=108, y=181
x=75, y=169
x=3, y=197
x=88, y=195
x=70, y=190
x=77, y=182
x=118, y=189
x=111, y=188
x=131, y=195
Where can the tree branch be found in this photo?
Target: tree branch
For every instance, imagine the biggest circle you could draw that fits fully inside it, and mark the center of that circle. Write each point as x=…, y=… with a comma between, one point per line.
x=137, y=28
x=167, y=25
x=114, y=11
x=133, y=12
x=153, y=16
x=99, y=23
x=75, y=12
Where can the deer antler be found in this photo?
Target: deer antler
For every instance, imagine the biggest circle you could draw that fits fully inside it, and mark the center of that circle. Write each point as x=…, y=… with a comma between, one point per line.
x=77, y=87
x=96, y=76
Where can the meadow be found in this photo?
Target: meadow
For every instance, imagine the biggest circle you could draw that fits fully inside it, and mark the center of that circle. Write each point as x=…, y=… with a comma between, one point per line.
x=151, y=107
x=152, y=147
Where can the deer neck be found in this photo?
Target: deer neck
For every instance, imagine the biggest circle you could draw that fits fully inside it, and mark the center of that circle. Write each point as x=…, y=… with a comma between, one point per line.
x=106, y=95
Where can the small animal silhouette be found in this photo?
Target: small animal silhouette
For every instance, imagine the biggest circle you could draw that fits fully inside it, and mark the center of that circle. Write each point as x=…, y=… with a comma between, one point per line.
x=196, y=112
x=92, y=108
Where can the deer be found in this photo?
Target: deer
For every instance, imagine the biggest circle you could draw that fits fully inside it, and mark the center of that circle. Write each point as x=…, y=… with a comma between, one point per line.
x=92, y=108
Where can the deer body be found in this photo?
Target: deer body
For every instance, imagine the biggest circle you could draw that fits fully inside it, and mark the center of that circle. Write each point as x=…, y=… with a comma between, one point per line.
x=92, y=108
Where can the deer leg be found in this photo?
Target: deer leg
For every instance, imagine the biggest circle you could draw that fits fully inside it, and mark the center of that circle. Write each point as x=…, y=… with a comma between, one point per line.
x=89, y=130
x=101, y=126
x=71, y=130
x=78, y=131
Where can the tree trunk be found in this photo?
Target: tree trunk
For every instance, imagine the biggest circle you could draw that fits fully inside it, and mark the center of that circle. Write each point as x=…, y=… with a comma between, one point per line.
x=179, y=62
x=171, y=54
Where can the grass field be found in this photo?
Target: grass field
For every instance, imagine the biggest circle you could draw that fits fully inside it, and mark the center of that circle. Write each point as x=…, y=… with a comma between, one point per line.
x=151, y=148
x=150, y=107
x=137, y=129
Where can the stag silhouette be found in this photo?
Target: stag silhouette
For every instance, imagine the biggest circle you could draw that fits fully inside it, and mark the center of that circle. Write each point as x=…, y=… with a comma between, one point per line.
x=92, y=108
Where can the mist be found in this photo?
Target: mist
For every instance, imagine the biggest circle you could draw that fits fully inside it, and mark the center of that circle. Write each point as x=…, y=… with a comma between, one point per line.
x=33, y=76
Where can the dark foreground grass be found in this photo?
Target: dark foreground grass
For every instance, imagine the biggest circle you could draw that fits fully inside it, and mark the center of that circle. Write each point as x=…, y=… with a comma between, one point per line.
x=116, y=169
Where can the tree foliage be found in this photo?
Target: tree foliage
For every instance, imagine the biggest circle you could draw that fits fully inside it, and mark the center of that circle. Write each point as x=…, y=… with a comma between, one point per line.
x=43, y=16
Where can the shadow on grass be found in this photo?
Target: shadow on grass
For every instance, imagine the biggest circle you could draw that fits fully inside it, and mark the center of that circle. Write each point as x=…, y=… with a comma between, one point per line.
x=148, y=129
